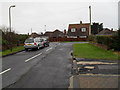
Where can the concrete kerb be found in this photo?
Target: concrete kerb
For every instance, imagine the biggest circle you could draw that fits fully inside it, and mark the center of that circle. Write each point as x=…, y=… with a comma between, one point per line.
x=12, y=53
x=74, y=80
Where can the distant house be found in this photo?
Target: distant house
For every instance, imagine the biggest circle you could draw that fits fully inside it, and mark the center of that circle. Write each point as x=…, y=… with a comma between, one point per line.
x=55, y=34
x=49, y=34
x=106, y=31
x=81, y=30
x=34, y=35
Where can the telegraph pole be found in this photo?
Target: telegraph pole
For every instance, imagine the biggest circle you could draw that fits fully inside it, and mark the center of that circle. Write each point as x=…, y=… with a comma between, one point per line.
x=31, y=30
x=90, y=19
x=45, y=28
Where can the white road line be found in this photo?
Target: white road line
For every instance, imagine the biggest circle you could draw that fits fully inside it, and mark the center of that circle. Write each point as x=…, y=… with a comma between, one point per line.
x=5, y=71
x=49, y=49
x=101, y=74
x=33, y=57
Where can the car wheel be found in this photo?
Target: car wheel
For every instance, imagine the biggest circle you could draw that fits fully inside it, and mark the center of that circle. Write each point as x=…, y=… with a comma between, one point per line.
x=44, y=45
x=26, y=49
x=38, y=47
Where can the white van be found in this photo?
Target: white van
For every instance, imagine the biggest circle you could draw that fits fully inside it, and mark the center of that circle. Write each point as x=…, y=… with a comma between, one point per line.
x=33, y=43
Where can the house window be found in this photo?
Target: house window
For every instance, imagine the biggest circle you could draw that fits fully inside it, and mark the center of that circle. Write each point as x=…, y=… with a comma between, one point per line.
x=72, y=29
x=83, y=29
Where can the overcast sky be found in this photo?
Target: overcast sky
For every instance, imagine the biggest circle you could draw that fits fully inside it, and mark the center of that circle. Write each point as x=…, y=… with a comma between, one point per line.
x=57, y=15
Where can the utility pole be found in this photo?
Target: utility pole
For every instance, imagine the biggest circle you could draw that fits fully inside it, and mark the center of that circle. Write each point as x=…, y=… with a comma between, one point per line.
x=45, y=28
x=31, y=30
x=90, y=19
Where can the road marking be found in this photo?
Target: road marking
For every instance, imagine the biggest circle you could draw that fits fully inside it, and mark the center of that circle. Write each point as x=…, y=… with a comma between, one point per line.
x=49, y=49
x=90, y=74
x=5, y=71
x=93, y=62
x=33, y=57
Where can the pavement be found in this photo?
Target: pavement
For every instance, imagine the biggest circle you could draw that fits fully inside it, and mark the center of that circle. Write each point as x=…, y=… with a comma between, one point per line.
x=101, y=74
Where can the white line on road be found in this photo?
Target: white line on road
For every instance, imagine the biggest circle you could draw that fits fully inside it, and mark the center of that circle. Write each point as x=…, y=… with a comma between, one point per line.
x=49, y=49
x=101, y=74
x=33, y=57
x=5, y=71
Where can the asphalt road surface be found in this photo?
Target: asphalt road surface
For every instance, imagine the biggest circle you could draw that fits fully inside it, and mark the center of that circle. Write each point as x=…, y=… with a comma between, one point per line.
x=49, y=67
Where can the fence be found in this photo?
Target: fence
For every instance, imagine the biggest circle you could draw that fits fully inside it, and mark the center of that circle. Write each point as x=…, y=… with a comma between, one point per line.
x=66, y=39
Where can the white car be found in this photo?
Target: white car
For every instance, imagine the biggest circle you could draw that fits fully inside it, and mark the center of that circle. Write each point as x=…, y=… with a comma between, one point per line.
x=33, y=43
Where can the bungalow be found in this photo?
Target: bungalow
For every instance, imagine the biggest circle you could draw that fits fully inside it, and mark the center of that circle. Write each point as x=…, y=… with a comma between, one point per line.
x=55, y=34
x=81, y=30
x=106, y=31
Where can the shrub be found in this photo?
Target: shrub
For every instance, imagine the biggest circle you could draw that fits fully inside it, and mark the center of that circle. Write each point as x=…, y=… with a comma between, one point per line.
x=112, y=42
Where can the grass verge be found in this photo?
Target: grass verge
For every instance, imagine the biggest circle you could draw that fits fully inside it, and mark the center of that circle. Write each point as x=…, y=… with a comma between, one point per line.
x=72, y=41
x=14, y=50
x=89, y=51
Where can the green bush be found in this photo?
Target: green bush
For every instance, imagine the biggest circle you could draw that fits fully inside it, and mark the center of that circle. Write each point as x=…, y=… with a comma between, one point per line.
x=105, y=40
x=92, y=38
x=112, y=42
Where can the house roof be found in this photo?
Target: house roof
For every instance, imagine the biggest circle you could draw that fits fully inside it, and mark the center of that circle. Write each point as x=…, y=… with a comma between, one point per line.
x=57, y=33
x=106, y=32
x=34, y=35
x=48, y=34
x=77, y=27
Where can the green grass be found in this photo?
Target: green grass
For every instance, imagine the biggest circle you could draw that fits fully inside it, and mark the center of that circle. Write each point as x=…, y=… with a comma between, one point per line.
x=72, y=41
x=15, y=49
x=89, y=51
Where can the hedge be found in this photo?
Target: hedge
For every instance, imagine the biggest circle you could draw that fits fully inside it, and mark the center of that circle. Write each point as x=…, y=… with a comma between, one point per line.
x=112, y=42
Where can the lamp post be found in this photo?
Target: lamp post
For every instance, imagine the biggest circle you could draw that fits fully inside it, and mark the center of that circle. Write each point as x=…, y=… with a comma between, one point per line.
x=10, y=16
x=10, y=25
x=90, y=19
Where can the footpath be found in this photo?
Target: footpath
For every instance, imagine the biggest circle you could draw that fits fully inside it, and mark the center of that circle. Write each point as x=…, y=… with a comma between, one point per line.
x=89, y=73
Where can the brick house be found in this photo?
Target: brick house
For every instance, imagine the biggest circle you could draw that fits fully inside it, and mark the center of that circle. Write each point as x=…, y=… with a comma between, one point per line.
x=55, y=34
x=106, y=31
x=49, y=34
x=34, y=35
x=81, y=30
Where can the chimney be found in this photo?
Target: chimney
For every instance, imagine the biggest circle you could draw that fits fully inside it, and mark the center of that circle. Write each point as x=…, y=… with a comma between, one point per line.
x=111, y=29
x=65, y=31
x=80, y=22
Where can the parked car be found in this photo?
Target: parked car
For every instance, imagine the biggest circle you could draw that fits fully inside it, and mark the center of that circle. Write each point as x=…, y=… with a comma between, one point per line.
x=33, y=43
x=45, y=42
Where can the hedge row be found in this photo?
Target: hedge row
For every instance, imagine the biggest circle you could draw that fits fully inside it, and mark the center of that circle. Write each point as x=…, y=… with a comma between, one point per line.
x=112, y=42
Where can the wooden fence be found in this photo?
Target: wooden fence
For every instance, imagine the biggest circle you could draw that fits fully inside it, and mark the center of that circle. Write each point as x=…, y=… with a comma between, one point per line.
x=66, y=39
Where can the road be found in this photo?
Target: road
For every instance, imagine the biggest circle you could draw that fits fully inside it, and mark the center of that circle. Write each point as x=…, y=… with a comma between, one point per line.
x=49, y=67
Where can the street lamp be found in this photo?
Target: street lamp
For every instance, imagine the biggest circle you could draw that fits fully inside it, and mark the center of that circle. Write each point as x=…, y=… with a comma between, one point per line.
x=10, y=16
x=10, y=25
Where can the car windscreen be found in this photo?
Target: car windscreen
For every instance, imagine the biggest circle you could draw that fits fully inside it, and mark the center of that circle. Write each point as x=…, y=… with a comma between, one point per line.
x=29, y=41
